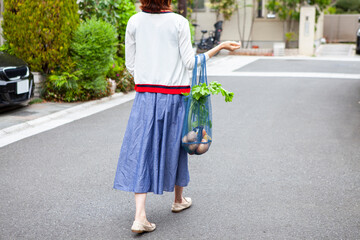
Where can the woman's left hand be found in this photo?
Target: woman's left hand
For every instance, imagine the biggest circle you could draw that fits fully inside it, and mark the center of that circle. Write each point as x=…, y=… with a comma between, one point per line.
x=230, y=45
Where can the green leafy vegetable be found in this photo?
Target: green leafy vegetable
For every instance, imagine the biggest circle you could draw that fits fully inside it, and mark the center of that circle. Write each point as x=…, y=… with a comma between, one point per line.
x=200, y=92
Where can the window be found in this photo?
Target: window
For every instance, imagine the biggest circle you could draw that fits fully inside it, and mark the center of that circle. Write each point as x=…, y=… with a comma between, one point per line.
x=260, y=9
x=198, y=5
x=271, y=14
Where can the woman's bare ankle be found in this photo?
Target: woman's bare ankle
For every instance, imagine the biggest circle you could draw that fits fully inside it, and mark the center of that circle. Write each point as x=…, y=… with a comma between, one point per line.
x=179, y=200
x=142, y=219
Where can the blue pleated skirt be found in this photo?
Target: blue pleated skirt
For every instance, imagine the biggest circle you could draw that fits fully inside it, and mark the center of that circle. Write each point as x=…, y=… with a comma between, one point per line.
x=151, y=157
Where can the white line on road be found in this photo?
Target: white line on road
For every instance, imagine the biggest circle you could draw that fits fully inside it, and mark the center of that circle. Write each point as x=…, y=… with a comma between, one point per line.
x=286, y=74
x=227, y=65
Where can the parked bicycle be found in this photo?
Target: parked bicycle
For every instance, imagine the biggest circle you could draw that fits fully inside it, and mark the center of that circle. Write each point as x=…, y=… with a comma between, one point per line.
x=212, y=40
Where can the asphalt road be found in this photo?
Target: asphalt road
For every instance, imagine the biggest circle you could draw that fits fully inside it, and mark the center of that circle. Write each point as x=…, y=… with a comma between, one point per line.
x=284, y=164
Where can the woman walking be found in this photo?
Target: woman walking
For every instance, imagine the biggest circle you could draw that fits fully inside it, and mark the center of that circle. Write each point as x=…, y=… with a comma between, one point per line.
x=158, y=53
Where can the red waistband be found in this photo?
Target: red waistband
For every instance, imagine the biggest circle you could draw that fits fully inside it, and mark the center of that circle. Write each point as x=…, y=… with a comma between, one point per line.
x=162, y=88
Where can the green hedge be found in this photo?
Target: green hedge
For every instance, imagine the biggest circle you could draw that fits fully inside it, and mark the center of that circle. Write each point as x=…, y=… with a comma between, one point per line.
x=92, y=50
x=115, y=12
x=347, y=6
x=40, y=32
x=118, y=72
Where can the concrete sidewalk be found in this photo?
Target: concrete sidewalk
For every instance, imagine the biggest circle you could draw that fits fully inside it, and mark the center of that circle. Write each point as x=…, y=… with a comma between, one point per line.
x=11, y=116
x=46, y=116
x=337, y=50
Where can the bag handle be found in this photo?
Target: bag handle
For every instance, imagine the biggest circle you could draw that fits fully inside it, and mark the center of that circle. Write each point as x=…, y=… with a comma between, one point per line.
x=194, y=76
x=203, y=74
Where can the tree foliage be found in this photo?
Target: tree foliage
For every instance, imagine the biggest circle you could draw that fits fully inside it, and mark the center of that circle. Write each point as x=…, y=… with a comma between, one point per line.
x=189, y=12
x=115, y=12
x=118, y=72
x=289, y=10
x=224, y=7
x=40, y=32
x=347, y=6
x=93, y=49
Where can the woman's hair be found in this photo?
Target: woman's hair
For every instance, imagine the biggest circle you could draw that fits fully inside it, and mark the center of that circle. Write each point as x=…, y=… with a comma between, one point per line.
x=155, y=5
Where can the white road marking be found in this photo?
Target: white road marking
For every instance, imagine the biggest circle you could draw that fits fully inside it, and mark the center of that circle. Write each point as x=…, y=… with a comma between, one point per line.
x=287, y=74
x=226, y=66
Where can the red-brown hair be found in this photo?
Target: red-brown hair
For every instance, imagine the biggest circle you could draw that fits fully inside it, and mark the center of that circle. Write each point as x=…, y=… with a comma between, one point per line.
x=155, y=5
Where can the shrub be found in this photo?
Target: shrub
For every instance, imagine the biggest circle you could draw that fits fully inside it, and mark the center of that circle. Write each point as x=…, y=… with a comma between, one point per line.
x=64, y=87
x=115, y=12
x=191, y=5
x=93, y=48
x=118, y=72
x=40, y=32
x=6, y=48
x=347, y=6
x=68, y=87
x=126, y=83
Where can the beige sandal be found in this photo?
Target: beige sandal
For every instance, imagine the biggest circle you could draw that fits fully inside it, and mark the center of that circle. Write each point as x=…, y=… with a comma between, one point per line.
x=178, y=207
x=140, y=227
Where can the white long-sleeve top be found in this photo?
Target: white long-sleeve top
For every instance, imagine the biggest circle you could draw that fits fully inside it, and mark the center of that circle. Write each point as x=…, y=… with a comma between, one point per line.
x=158, y=52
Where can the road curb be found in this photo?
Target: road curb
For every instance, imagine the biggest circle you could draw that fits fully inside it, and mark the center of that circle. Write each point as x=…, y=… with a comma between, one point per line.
x=87, y=108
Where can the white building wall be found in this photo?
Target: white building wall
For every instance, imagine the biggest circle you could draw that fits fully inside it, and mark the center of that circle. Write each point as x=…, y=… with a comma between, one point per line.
x=206, y=19
x=319, y=30
x=265, y=31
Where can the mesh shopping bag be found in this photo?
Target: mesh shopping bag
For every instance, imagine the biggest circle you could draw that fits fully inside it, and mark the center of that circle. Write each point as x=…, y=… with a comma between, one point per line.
x=196, y=133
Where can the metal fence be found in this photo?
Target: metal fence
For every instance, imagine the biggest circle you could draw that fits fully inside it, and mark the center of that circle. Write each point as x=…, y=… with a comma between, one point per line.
x=341, y=27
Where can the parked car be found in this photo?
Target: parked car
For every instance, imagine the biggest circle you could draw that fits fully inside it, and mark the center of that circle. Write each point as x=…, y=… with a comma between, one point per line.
x=358, y=40
x=16, y=81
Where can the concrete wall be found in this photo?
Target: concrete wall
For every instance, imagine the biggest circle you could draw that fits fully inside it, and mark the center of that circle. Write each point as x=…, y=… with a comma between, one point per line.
x=207, y=18
x=341, y=27
x=319, y=30
x=307, y=30
x=266, y=32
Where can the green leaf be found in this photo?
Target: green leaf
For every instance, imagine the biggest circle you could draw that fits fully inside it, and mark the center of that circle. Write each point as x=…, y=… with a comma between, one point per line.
x=200, y=92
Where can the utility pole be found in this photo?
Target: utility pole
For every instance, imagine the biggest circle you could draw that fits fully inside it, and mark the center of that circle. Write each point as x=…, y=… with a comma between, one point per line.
x=182, y=7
